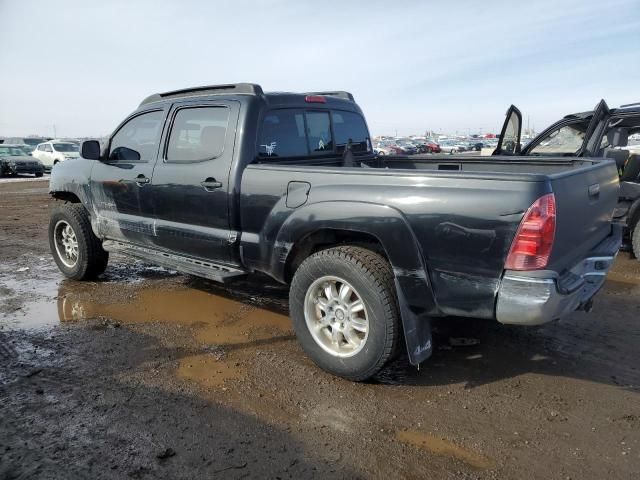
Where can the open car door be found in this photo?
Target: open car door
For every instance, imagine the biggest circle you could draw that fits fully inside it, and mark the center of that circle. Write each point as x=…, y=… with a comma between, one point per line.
x=509, y=143
x=595, y=130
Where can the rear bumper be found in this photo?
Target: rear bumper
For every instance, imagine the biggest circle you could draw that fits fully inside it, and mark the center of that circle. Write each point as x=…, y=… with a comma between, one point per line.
x=529, y=300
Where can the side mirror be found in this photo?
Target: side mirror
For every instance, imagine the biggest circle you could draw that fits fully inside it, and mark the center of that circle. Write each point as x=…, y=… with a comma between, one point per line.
x=90, y=150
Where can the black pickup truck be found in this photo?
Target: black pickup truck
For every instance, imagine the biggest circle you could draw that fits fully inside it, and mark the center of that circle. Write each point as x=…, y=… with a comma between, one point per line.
x=221, y=181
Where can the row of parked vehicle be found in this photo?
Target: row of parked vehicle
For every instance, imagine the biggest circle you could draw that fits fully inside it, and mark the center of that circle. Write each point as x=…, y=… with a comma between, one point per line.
x=35, y=159
x=415, y=145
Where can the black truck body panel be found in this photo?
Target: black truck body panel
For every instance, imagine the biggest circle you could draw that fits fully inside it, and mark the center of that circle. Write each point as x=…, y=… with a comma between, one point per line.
x=445, y=224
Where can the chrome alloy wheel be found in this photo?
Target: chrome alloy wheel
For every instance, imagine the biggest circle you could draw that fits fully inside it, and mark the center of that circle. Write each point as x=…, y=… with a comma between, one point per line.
x=336, y=316
x=66, y=243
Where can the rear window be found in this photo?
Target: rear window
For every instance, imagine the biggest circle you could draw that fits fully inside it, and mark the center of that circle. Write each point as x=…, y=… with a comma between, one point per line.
x=283, y=134
x=303, y=133
x=350, y=127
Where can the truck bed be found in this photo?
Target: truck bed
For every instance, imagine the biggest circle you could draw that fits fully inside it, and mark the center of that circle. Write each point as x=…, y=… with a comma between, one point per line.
x=463, y=211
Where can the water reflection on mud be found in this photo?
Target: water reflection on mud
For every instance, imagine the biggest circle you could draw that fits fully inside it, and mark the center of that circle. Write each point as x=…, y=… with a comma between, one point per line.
x=223, y=328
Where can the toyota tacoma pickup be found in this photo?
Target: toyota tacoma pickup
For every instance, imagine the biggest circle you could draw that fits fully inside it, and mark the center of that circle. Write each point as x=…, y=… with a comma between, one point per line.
x=221, y=181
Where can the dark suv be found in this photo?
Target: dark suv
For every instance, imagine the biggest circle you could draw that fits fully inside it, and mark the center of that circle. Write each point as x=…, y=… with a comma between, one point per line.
x=601, y=132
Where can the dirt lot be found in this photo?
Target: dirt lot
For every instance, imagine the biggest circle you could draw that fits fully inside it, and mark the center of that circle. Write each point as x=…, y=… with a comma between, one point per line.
x=150, y=374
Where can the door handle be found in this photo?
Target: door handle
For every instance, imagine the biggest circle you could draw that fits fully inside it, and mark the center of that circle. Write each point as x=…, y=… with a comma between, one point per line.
x=141, y=180
x=210, y=184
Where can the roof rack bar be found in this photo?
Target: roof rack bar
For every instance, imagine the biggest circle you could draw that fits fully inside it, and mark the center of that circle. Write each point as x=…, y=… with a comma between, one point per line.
x=630, y=105
x=244, y=88
x=337, y=93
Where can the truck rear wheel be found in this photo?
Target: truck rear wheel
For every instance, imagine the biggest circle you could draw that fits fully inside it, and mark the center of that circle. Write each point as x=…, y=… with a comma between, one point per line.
x=344, y=311
x=75, y=249
x=635, y=240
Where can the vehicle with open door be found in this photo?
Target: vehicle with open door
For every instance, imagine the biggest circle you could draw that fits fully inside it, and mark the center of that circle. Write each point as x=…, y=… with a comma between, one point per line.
x=601, y=132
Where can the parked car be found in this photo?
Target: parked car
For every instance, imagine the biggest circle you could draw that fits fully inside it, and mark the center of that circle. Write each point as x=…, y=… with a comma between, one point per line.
x=601, y=132
x=51, y=153
x=383, y=149
x=31, y=141
x=433, y=147
x=449, y=146
x=28, y=148
x=408, y=147
x=397, y=149
x=14, y=160
x=220, y=181
x=423, y=146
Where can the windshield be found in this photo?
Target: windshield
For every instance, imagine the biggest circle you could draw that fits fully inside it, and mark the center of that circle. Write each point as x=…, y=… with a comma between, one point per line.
x=12, y=151
x=66, y=147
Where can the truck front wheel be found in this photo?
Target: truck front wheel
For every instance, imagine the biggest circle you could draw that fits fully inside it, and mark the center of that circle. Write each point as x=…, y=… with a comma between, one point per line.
x=76, y=250
x=344, y=311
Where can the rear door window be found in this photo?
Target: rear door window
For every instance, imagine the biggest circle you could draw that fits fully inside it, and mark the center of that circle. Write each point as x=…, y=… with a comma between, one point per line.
x=198, y=134
x=350, y=127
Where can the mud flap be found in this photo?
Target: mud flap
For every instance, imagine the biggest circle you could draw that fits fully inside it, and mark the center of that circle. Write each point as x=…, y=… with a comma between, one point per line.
x=417, y=331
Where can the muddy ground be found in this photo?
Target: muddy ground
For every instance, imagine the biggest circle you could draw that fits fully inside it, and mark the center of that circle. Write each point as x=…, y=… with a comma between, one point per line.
x=150, y=374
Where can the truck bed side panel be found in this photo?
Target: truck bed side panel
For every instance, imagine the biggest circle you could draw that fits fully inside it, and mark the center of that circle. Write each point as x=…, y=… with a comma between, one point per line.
x=463, y=227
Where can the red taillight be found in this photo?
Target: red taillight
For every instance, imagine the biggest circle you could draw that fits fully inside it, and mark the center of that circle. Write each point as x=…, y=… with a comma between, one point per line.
x=532, y=244
x=315, y=99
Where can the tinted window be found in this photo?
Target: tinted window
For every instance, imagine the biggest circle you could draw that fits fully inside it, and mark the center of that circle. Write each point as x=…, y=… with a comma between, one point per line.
x=319, y=132
x=66, y=147
x=510, y=138
x=11, y=151
x=349, y=126
x=198, y=134
x=138, y=138
x=283, y=134
x=47, y=148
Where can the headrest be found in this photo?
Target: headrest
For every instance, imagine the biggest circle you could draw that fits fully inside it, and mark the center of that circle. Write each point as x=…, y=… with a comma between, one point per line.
x=212, y=136
x=618, y=137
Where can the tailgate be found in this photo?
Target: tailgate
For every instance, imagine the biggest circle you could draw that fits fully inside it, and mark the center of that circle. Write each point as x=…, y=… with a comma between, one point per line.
x=585, y=200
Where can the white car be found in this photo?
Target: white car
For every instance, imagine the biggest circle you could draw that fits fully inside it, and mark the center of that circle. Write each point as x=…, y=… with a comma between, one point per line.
x=449, y=147
x=50, y=153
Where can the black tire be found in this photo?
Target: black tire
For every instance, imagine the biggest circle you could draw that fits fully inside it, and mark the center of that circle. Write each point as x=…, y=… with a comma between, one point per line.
x=39, y=174
x=91, y=258
x=635, y=239
x=372, y=277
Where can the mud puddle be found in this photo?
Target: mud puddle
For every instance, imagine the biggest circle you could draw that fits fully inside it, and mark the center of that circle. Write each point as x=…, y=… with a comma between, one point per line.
x=216, y=320
x=223, y=329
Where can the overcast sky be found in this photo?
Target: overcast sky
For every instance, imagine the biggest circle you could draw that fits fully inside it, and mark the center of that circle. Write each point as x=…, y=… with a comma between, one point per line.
x=412, y=65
